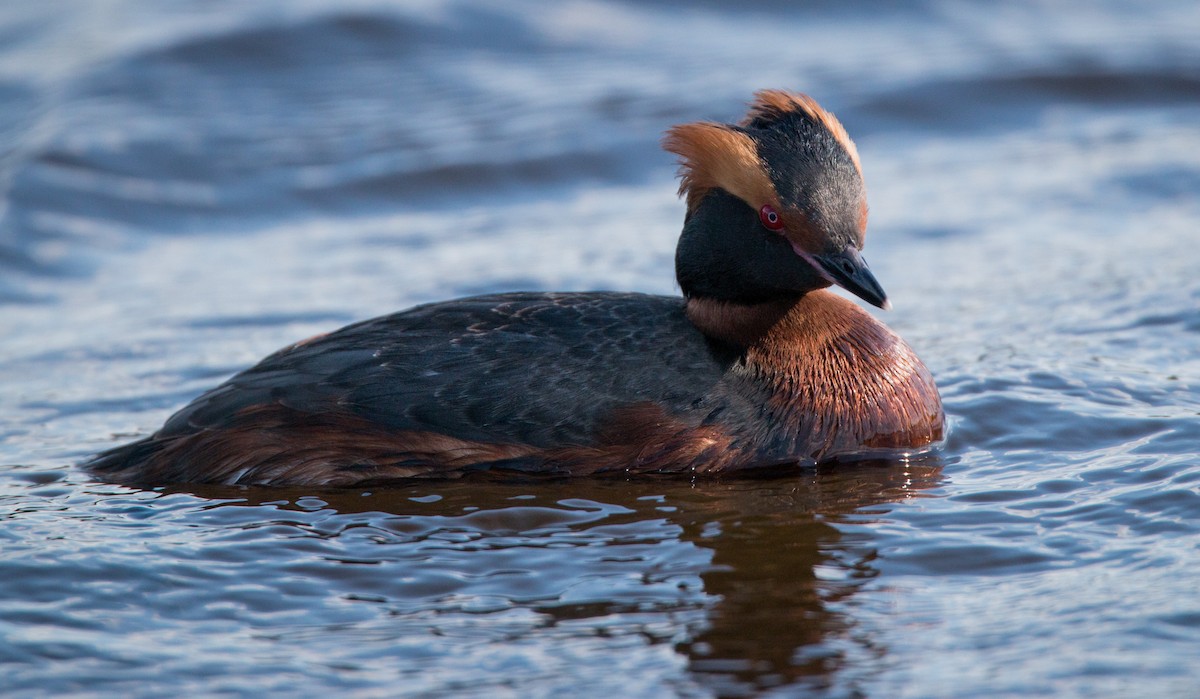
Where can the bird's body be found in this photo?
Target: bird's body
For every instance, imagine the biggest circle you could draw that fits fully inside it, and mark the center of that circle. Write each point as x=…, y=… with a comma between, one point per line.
x=756, y=366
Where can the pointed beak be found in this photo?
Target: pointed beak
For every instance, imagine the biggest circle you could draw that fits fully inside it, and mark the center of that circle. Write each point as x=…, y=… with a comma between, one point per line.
x=848, y=270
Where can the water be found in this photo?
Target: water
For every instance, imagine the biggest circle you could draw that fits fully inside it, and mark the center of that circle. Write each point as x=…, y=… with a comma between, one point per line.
x=189, y=187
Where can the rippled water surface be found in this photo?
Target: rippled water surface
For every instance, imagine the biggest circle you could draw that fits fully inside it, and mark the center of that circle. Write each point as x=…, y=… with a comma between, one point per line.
x=189, y=186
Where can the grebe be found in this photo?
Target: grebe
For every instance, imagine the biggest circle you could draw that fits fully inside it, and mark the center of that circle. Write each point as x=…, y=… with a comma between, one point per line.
x=756, y=365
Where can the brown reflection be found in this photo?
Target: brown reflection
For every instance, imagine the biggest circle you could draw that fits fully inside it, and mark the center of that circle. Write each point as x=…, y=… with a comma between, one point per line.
x=781, y=569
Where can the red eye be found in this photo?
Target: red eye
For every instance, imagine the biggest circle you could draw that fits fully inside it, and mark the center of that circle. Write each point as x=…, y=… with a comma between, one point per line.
x=770, y=218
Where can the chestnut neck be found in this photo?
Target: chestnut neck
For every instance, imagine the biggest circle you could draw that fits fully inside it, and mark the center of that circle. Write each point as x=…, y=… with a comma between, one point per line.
x=738, y=324
x=803, y=320
x=838, y=379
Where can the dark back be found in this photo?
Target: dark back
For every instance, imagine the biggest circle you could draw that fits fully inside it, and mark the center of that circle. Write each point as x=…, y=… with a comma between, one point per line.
x=539, y=369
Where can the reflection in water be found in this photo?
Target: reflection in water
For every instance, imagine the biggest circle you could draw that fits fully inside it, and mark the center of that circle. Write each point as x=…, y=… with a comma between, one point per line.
x=782, y=570
x=763, y=561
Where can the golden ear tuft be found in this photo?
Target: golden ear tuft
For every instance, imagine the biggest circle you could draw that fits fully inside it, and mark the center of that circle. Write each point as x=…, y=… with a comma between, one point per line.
x=715, y=155
x=770, y=106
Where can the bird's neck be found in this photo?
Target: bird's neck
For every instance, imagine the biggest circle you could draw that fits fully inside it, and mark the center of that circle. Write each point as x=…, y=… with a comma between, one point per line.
x=840, y=377
x=741, y=325
x=784, y=325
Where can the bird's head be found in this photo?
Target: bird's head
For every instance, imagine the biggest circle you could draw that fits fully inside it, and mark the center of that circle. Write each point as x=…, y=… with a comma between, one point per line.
x=776, y=204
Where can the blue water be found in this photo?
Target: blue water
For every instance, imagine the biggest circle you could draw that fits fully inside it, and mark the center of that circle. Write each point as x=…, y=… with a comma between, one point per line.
x=189, y=186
